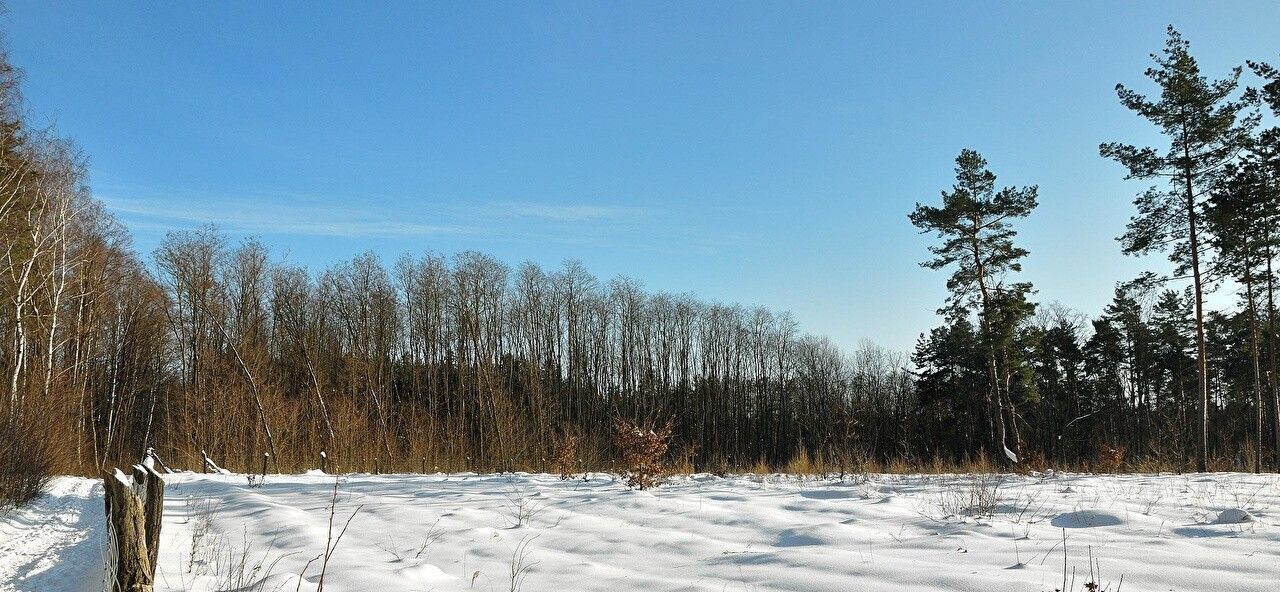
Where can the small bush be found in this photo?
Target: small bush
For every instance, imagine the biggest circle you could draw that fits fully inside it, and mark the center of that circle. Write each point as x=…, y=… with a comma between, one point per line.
x=1110, y=459
x=643, y=449
x=760, y=467
x=977, y=495
x=26, y=463
x=566, y=460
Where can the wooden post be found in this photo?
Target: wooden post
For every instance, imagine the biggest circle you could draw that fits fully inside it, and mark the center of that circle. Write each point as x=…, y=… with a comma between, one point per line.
x=155, y=460
x=149, y=486
x=324, y=462
x=424, y=465
x=209, y=465
x=377, y=466
x=132, y=569
x=265, y=457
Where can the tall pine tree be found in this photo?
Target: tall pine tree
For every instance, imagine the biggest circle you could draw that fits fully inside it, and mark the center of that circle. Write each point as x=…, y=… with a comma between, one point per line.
x=974, y=222
x=1237, y=223
x=1206, y=129
x=1264, y=161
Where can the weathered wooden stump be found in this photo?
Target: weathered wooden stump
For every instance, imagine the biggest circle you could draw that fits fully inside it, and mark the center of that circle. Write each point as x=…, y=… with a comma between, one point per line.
x=149, y=487
x=134, y=512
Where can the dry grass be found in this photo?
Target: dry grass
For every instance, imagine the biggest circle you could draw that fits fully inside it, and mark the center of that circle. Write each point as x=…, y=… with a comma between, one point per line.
x=1109, y=459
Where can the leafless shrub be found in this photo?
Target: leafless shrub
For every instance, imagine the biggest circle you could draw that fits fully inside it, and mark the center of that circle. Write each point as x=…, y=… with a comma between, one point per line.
x=26, y=462
x=331, y=543
x=643, y=448
x=520, y=564
x=978, y=496
x=566, y=460
x=1150, y=502
x=236, y=566
x=200, y=516
x=392, y=547
x=433, y=535
x=1095, y=574
x=522, y=507
x=225, y=564
x=1026, y=508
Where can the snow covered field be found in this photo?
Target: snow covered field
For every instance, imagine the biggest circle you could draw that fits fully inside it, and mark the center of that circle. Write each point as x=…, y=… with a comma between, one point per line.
x=1216, y=532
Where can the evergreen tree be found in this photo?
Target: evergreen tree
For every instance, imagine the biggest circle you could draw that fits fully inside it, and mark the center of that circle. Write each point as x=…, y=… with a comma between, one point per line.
x=1174, y=363
x=975, y=223
x=1270, y=91
x=1057, y=362
x=1126, y=316
x=1104, y=403
x=1264, y=160
x=1206, y=128
x=951, y=388
x=1237, y=222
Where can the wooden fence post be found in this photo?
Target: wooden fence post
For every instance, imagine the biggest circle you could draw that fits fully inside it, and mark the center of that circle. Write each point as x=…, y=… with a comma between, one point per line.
x=324, y=462
x=155, y=461
x=133, y=521
x=148, y=486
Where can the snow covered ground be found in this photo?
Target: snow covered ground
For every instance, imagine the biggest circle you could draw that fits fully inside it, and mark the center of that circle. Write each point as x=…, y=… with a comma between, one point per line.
x=1216, y=532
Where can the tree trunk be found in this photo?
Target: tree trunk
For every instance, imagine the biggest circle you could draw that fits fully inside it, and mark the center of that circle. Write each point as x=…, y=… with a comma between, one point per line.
x=1202, y=461
x=1271, y=347
x=1257, y=370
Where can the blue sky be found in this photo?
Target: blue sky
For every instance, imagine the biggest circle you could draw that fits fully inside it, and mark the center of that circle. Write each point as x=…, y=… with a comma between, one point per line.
x=746, y=152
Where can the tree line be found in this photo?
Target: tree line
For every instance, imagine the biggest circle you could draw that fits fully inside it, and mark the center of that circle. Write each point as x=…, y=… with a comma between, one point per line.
x=1158, y=374
x=465, y=362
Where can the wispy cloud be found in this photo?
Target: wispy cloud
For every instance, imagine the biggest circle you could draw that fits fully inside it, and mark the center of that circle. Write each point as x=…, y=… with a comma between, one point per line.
x=606, y=226
x=279, y=216
x=565, y=213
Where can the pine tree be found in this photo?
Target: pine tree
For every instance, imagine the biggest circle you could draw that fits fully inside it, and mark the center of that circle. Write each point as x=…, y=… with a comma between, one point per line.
x=1237, y=223
x=1264, y=160
x=1124, y=314
x=1173, y=351
x=951, y=388
x=1270, y=91
x=1206, y=129
x=974, y=221
x=1058, y=363
x=1105, y=400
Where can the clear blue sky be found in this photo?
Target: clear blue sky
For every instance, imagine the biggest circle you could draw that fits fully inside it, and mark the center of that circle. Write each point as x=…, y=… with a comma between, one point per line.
x=759, y=153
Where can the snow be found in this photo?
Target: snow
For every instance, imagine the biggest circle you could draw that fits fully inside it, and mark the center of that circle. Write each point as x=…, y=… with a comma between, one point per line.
x=699, y=533
x=1233, y=516
x=56, y=543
